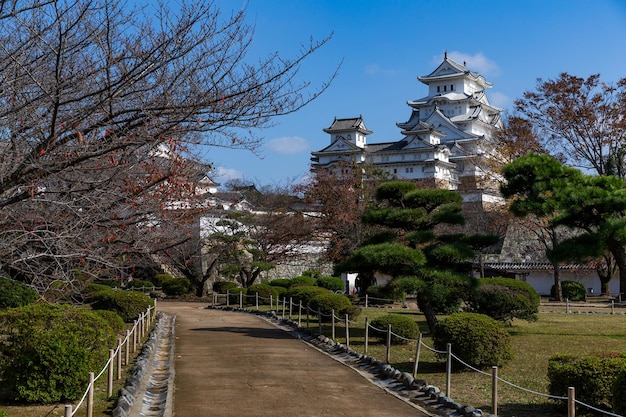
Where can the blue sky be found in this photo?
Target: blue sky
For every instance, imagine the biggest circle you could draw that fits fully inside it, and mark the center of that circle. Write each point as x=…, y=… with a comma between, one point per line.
x=385, y=45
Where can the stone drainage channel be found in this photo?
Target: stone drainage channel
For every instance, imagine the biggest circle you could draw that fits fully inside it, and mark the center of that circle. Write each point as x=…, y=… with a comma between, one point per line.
x=152, y=379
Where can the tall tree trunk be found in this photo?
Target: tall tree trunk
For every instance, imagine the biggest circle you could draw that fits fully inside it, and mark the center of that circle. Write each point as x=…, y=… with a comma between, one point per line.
x=619, y=253
x=558, y=291
x=429, y=312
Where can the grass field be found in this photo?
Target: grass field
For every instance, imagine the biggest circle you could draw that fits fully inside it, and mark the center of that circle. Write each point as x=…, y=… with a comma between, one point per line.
x=533, y=343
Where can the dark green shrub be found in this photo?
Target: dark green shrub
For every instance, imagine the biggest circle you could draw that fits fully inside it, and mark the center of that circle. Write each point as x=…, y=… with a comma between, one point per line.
x=48, y=351
x=280, y=282
x=572, y=290
x=221, y=287
x=304, y=293
x=328, y=302
x=504, y=299
x=15, y=294
x=592, y=376
x=303, y=280
x=387, y=294
x=331, y=283
x=92, y=288
x=619, y=393
x=264, y=291
x=140, y=285
x=280, y=292
x=111, y=283
x=401, y=325
x=234, y=298
x=128, y=304
x=176, y=286
x=113, y=319
x=3, y=413
x=159, y=279
x=476, y=339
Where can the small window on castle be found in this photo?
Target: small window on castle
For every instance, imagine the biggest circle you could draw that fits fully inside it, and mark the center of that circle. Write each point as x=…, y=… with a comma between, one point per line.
x=451, y=87
x=438, y=89
x=445, y=88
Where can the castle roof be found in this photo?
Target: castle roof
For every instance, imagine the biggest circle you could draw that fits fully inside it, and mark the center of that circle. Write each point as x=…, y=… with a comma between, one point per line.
x=348, y=125
x=449, y=69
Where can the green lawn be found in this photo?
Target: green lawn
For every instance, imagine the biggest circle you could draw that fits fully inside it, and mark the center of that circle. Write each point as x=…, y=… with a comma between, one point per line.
x=533, y=343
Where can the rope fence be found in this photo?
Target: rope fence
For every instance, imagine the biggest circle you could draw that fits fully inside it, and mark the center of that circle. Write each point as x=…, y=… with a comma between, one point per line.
x=113, y=367
x=285, y=309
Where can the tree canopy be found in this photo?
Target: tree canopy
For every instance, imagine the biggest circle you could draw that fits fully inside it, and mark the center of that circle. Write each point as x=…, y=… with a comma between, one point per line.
x=102, y=107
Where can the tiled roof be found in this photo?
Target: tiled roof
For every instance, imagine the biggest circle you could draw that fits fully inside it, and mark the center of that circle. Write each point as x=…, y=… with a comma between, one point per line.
x=533, y=266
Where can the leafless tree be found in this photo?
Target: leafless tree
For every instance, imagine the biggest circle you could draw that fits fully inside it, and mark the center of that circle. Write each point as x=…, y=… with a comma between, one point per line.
x=101, y=107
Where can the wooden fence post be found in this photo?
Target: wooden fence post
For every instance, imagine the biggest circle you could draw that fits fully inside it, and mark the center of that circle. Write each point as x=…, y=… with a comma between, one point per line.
x=68, y=410
x=567, y=305
x=494, y=390
x=290, y=306
x=367, y=333
x=332, y=328
x=319, y=320
x=110, y=376
x=272, y=303
x=119, y=358
x=300, y=314
x=127, y=347
x=227, y=298
x=241, y=299
x=571, y=402
x=448, y=367
x=256, y=298
x=366, y=299
x=90, y=395
x=135, y=336
x=388, y=355
x=347, y=332
x=417, y=355
x=284, y=300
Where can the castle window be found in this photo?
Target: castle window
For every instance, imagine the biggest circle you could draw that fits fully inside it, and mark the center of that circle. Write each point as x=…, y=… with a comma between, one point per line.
x=451, y=87
x=445, y=87
x=438, y=89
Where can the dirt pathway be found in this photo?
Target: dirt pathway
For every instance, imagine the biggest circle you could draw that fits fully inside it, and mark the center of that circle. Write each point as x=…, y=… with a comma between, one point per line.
x=237, y=364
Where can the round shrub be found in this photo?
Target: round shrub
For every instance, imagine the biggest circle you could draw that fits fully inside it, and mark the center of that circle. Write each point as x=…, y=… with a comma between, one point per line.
x=331, y=283
x=49, y=350
x=264, y=291
x=141, y=285
x=504, y=299
x=303, y=280
x=619, y=394
x=15, y=294
x=328, y=302
x=572, y=290
x=280, y=282
x=176, y=286
x=128, y=304
x=593, y=376
x=222, y=287
x=159, y=279
x=92, y=288
x=304, y=293
x=234, y=296
x=113, y=319
x=401, y=325
x=280, y=292
x=476, y=339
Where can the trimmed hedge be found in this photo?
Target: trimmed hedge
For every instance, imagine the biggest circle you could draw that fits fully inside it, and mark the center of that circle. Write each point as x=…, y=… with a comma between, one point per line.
x=619, y=394
x=572, y=290
x=140, y=285
x=15, y=294
x=280, y=282
x=303, y=280
x=176, y=286
x=592, y=376
x=264, y=291
x=401, y=325
x=328, y=302
x=476, y=339
x=331, y=283
x=234, y=297
x=159, y=279
x=128, y=304
x=504, y=299
x=221, y=287
x=48, y=351
x=304, y=293
x=113, y=319
x=386, y=294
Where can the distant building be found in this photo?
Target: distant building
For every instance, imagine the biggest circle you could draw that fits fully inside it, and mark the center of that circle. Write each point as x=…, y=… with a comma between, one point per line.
x=443, y=142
